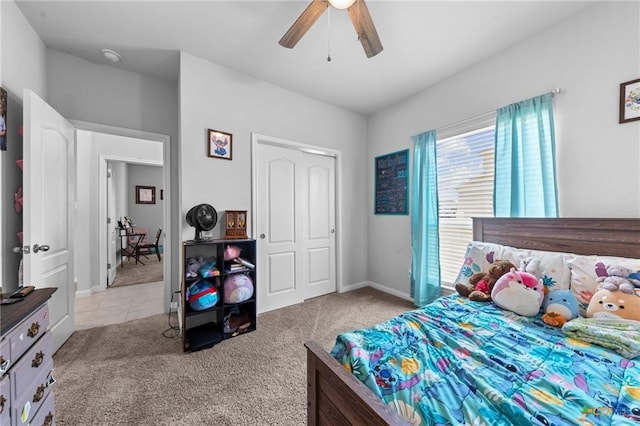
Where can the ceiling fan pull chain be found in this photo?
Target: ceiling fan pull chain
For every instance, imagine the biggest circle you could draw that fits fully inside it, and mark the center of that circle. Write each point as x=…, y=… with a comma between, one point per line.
x=329, y=35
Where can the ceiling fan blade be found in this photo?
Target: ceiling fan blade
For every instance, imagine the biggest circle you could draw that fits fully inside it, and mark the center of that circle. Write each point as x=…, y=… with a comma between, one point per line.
x=367, y=34
x=310, y=15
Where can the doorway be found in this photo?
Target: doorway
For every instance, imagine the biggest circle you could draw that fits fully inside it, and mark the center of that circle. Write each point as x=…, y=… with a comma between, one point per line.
x=296, y=210
x=115, y=147
x=131, y=244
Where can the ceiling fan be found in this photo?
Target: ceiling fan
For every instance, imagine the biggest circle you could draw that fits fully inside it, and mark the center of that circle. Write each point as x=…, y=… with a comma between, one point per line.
x=360, y=17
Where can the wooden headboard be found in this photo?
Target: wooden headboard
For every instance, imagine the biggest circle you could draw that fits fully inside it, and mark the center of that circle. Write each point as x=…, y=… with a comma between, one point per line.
x=611, y=237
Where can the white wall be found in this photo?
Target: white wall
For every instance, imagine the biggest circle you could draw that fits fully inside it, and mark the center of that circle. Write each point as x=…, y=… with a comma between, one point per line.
x=588, y=56
x=22, y=61
x=90, y=147
x=147, y=216
x=214, y=97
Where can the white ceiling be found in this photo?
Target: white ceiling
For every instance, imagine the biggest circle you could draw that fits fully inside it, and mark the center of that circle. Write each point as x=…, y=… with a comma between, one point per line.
x=424, y=41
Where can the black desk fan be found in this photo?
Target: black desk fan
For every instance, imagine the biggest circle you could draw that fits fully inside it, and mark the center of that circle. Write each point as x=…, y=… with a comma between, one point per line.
x=203, y=217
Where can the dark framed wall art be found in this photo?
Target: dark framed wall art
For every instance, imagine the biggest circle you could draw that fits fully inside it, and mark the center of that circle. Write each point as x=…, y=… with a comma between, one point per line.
x=3, y=119
x=220, y=144
x=630, y=101
x=392, y=183
x=145, y=194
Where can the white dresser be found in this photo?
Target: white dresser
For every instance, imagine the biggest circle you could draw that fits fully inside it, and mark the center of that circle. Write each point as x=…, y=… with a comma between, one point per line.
x=26, y=363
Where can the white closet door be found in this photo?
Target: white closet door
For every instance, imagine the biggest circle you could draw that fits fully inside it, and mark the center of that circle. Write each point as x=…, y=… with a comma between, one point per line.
x=295, y=217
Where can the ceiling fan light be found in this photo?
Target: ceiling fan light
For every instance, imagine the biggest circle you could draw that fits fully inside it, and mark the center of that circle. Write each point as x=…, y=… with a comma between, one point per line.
x=341, y=4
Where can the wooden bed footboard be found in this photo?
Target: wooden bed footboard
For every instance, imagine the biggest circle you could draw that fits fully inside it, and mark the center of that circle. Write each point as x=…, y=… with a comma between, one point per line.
x=336, y=397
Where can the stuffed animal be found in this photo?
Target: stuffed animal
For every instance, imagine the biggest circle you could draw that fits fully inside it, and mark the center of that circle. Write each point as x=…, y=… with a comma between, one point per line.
x=559, y=306
x=231, y=252
x=192, y=267
x=615, y=304
x=481, y=283
x=519, y=292
x=619, y=277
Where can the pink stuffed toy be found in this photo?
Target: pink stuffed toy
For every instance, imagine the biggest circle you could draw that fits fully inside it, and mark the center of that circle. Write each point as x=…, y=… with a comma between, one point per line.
x=519, y=292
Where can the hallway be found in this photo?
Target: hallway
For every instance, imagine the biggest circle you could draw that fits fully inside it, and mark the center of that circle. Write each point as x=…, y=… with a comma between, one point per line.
x=119, y=304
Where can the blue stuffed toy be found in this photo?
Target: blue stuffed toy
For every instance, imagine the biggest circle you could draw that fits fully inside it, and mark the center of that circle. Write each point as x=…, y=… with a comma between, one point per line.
x=559, y=306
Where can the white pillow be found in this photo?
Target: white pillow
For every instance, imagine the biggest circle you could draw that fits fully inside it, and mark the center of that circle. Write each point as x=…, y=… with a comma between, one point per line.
x=480, y=255
x=548, y=266
x=586, y=269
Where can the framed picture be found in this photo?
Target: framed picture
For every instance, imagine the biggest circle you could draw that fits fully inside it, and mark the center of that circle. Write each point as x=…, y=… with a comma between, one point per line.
x=630, y=101
x=3, y=119
x=220, y=144
x=392, y=183
x=145, y=194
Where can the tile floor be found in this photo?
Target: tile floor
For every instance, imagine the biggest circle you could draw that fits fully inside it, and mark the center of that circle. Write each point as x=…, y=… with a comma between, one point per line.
x=119, y=304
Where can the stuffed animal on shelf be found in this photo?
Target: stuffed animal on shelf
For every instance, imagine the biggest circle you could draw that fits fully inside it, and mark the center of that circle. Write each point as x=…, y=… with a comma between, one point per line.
x=481, y=283
x=192, y=266
x=615, y=304
x=619, y=277
x=559, y=306
x=519, y=292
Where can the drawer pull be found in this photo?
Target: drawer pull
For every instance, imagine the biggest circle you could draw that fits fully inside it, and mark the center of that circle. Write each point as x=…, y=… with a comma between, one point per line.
x=4, y=365
x=48, y=420
x=39, y=393
x=2, y=401
x=37, y=360
x=34, y=329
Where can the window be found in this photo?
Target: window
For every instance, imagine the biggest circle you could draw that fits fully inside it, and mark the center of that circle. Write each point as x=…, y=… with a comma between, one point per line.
x=465, y=154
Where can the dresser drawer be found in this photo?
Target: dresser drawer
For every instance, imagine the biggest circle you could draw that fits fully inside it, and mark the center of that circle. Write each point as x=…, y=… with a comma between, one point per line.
x=5, y=398
x=28, y=331
x=29, y=380
x=33, y=367
x=46, y=414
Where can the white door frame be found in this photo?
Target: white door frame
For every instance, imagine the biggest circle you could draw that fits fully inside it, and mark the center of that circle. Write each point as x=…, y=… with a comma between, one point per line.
x=256, y=139
x=102, y=194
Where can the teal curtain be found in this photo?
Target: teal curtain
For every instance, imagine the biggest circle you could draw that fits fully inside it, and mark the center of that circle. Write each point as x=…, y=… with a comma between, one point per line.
x=525, y=160
x=425, y=244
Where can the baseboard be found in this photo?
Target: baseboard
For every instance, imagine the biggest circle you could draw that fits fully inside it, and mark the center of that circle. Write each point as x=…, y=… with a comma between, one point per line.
x=84, y=293
x=446, y=290
x=354, y=286
x=377, y=286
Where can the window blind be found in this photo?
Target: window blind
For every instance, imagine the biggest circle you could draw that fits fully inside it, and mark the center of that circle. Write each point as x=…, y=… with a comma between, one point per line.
x=465, y=154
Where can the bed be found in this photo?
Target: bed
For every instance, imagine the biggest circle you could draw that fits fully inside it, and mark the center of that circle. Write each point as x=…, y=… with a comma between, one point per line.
x=478, y=364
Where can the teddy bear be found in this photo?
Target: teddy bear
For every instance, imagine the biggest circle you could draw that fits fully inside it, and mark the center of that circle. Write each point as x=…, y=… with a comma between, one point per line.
x=619, y=277
x=481, y=283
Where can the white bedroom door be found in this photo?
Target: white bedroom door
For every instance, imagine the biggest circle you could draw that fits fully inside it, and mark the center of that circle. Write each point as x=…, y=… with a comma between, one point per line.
x=48, y=210
x=295, y=223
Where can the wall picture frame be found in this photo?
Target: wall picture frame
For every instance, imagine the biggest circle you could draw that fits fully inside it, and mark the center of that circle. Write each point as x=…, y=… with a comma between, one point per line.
x=145, y=194
x=392, y=183
x=630, y=101
x=220, y=144
x=3, y=119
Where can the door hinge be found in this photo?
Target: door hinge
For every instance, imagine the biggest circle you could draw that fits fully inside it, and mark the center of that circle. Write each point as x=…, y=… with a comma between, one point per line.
x=108, y=266
x=108, y=220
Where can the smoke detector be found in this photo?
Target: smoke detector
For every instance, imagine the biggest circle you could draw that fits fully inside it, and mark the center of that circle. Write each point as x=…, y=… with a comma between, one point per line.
x=111, y=55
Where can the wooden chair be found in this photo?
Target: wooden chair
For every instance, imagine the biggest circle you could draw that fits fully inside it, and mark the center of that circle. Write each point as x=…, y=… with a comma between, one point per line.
x=145, y=249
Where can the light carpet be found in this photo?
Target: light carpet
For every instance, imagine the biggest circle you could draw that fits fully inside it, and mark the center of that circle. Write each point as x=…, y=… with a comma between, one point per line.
x=129, y=374
x=132, y=273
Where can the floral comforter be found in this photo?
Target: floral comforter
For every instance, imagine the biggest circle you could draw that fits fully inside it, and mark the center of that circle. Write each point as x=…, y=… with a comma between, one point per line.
x=461, y=362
